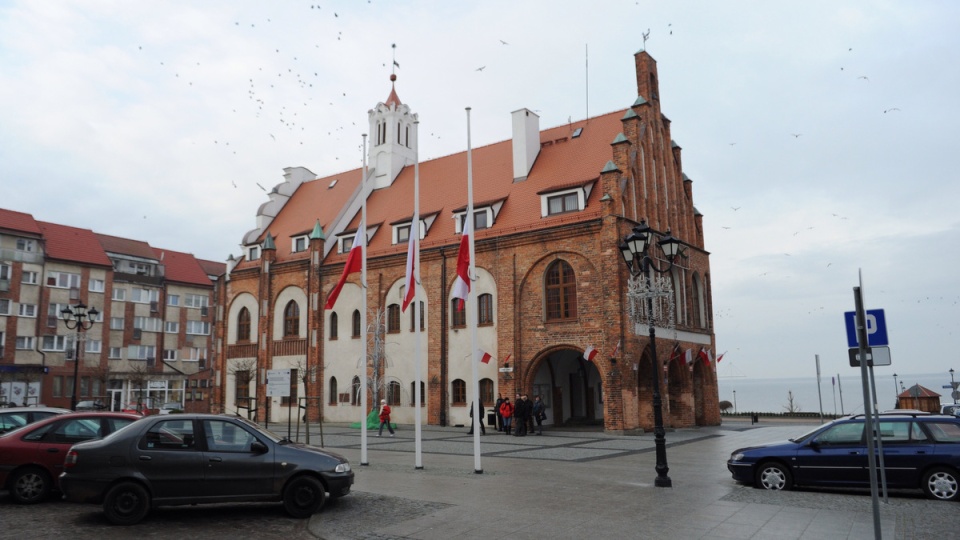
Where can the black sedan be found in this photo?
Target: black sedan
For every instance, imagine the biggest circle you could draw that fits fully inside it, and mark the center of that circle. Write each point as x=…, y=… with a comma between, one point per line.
x=920, y=451
x=200, y=458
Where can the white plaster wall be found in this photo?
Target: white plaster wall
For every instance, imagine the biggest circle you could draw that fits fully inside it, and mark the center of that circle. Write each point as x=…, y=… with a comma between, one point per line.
x=460, y=354
x=342, y=355
x=401, y=358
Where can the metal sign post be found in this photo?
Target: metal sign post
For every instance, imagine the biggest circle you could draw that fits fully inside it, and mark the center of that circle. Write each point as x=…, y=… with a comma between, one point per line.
x=861, y=323
x=278, y=385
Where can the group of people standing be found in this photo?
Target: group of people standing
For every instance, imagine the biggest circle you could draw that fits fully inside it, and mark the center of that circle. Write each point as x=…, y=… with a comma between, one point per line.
x=520, y=415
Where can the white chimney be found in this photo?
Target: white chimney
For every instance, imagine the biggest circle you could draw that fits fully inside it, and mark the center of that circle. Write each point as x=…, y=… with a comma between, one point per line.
x=526, y=142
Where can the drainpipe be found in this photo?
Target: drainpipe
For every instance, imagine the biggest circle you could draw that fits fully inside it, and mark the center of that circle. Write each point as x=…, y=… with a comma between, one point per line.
x=443, y=338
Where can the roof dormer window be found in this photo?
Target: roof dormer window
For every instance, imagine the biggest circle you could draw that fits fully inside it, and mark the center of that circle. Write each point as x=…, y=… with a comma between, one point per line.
x=253, y=253
x=483, y=216
x=564, y=200
x=299, y=244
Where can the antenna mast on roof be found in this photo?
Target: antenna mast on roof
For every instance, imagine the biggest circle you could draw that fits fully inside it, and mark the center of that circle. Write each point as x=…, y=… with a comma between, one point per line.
x=586, y=69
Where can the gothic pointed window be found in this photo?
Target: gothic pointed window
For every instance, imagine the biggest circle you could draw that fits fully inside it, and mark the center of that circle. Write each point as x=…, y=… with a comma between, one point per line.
x=243, y=325
x=560, y=292
x=291, y=319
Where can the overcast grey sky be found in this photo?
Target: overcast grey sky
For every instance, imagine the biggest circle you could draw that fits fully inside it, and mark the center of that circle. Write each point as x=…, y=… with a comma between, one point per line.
x=818, y=134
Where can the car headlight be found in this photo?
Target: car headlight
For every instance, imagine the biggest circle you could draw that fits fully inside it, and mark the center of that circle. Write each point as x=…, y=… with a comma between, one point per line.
x=736, y=456
x=343, y=467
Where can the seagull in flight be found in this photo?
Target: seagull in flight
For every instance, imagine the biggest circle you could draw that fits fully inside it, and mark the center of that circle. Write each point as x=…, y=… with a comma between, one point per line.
x=735, y=208
x=261, y=187
x=796, y=135
x=503, y=42
x=864, y=77
x=890, y=110
x=481, y=68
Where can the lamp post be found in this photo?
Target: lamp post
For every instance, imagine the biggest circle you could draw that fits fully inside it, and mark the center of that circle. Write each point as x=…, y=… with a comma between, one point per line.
x=634, y=249
x=953, y=387
x=896, y=391
x=80, y=319
x=734, y=402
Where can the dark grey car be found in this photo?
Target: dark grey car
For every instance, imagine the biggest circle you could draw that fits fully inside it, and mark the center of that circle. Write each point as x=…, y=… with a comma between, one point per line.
x=200, y=458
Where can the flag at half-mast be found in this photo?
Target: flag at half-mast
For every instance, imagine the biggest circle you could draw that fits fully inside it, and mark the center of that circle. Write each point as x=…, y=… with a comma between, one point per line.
x=411, y=281
x=461, y=287
x=354, y=264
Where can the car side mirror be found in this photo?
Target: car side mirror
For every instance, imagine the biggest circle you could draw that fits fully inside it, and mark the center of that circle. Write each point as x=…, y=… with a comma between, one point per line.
x=815, y=444
x=258, y=447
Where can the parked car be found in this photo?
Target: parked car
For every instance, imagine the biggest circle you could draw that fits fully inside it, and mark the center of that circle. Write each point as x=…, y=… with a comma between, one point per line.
x=200, y=458
x=31, y=458
x=91, y=405
x=17, y=417
x=173, y=406
x=920, y=451
x=950, y=409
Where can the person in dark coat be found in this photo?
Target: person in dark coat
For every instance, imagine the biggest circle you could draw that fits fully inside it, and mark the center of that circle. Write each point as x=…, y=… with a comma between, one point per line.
x=517, y=415
x=473, y=418
x=525, y=409
x=539, y=413
x=496, y=410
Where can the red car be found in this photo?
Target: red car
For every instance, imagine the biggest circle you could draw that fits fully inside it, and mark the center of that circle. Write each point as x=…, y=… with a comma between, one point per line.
x=31, y=458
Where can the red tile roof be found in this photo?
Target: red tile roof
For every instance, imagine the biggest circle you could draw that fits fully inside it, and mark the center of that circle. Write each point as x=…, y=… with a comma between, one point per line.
x=443, y=187
x=213, y=268
x=182, y=268
x=917, y=391
x=19, y=222
x=126, y=246
x=73, y=244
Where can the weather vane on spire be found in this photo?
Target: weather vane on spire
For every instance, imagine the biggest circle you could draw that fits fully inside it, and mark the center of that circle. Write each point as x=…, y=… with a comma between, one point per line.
x=393, y=70
x=646, y=36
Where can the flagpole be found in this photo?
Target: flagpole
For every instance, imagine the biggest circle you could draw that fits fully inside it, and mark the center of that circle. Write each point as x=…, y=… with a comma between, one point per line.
x=363, y=307
x=418, y=352
x=840, y=387
x=472, y=312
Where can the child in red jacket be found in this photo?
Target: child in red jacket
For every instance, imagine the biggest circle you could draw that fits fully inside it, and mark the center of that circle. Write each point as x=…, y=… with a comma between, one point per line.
x=506, y=410
x=385, y=417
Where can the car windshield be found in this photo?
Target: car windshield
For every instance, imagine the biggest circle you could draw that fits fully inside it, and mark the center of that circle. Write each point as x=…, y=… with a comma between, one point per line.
x=266, y=433
x=808, y=434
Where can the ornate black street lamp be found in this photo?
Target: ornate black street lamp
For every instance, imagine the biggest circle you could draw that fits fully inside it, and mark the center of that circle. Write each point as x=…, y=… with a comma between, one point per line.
x=80, y=319
x=634, y=249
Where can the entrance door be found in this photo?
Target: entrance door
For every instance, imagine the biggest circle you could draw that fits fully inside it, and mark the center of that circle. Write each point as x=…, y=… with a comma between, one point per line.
x=591, y=404
x=116, y=400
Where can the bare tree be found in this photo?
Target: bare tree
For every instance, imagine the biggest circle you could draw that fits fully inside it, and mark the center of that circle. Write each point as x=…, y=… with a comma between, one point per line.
x=244, y=371
x=792, y=405
x=139, y=378
x=377, y=354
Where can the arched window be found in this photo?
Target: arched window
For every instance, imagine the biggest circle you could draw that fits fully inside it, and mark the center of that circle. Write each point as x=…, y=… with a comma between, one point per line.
x=413, y=321
x=393, y=318
x=333, y=391
x=459, y=394
x=393, y=393
x=413, y=395
x=561, y=292
x=334, y=326
x=356, y=323
x=243, y=325
x=697, y=302
x=486, y=392
x=355, y=393
x=291, y=319
x=485, y=309
x=458, y=313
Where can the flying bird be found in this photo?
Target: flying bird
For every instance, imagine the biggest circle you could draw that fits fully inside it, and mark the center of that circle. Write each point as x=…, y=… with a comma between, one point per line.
x=891, y=110
x=481, y=68
x=796, y=135
x=864, y=77
x=261, y=187
x=503, y=42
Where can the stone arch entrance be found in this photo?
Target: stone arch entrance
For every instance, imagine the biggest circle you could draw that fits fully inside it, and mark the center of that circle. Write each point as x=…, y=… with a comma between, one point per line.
x=571, y=387
x=677, y=396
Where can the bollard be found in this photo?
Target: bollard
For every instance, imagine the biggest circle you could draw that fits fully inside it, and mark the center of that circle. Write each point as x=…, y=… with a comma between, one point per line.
x=754, y=418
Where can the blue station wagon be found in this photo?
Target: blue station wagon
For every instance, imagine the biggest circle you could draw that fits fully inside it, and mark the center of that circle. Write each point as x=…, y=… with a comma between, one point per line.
x=920, y=451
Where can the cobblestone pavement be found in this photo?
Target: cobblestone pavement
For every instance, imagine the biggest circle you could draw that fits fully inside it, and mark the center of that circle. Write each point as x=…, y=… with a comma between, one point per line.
x=574, y=484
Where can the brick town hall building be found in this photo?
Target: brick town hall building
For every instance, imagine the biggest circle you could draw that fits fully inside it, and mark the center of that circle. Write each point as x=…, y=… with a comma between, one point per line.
x=551, y=207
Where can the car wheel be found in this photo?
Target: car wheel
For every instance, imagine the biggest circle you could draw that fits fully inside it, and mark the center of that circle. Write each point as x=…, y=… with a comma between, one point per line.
x=941, y=483
x=30, y=485
x=303, y=496
x=773, y=476
x=126, y=503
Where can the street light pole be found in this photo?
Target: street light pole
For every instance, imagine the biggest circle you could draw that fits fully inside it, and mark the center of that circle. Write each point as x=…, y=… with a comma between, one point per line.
x=734, y=402
x=74, y=319
x=896, y=391
x=634, y=249
x=953, y=387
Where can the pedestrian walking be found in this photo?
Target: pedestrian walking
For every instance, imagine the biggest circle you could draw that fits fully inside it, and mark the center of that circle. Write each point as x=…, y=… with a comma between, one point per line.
x=473, y=419
x=496, y=410
x=384, y=417
x=539, y=413
x=506, y=411
x=517, y=416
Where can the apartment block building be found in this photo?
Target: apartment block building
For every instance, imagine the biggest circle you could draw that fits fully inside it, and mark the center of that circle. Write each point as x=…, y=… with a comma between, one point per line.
x=150, y=343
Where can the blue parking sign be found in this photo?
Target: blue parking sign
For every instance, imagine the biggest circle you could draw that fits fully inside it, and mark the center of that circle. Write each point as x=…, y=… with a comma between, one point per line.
x=876, y=328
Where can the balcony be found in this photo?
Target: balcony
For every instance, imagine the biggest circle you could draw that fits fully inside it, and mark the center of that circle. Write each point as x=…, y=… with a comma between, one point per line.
x=290, y=347
x=14, y=255
x=246, y=350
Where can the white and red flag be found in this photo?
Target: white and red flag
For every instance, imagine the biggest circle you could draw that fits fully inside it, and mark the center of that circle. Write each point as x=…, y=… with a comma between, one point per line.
x=616, y=350
x=704, y=355
x=688, y=356
x=411, y=281
x=461, y=287
x=485, y=359
x=354, y=264
x=719, y=358
x=589, y=353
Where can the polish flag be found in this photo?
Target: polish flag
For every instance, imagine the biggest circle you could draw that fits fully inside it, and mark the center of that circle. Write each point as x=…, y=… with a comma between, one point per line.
x=411, y=281
x=616, y=350
x=590, y=353
x=704, y=355
x=688, y=356
x=719, y=358
x=507, y=359
x=354, y=264
x=486, y=358
x=461, y=287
